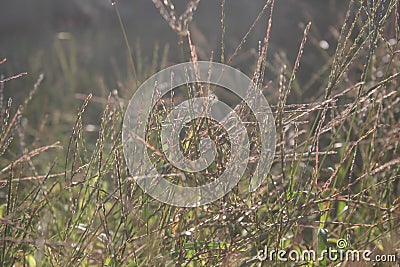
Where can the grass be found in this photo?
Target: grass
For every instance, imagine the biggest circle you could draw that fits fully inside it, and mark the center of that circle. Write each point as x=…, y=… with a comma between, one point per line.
x=335, y=174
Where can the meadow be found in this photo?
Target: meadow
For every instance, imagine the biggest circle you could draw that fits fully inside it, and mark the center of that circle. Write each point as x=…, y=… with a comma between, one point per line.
x=67, y=197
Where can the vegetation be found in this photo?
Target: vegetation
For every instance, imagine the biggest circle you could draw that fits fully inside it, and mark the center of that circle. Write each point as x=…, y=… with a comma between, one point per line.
x=72, y=202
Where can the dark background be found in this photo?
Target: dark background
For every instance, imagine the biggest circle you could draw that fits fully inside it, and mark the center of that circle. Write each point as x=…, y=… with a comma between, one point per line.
x=79, y=47
x=28, y=27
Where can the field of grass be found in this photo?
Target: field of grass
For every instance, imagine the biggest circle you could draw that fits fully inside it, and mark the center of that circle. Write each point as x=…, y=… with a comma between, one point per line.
x=67, y=197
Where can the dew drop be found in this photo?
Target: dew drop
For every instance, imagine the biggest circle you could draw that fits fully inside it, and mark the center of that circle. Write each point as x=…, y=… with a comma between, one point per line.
x=324, y=44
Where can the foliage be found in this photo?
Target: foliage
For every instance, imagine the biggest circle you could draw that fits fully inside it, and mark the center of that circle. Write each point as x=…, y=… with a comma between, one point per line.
x=335, y=174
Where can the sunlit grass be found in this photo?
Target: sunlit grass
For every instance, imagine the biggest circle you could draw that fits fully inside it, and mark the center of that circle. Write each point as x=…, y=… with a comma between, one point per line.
x=335, y=174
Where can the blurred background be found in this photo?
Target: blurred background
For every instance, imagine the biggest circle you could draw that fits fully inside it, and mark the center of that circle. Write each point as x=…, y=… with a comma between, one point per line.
x=79, y=46
x=31, y=27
